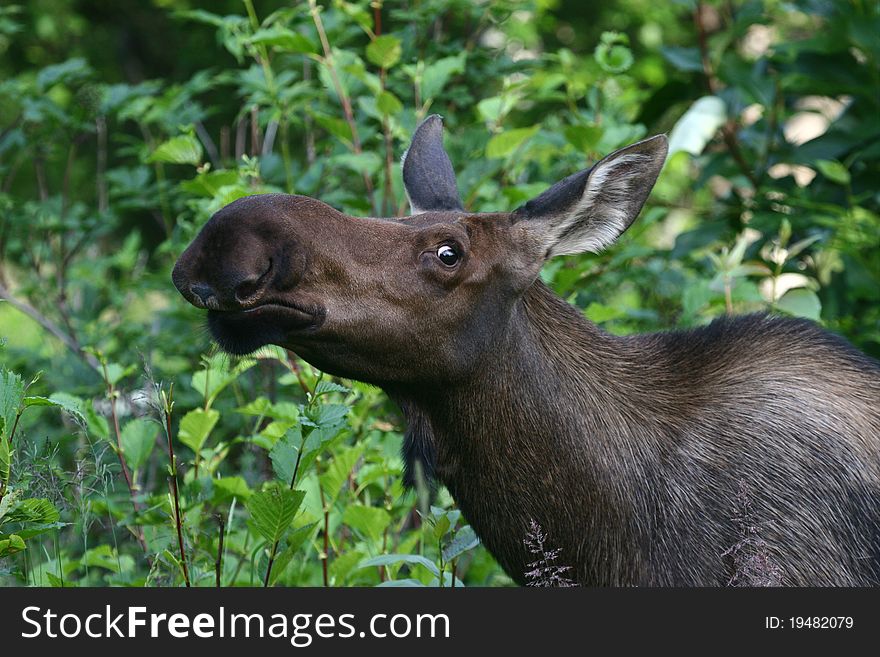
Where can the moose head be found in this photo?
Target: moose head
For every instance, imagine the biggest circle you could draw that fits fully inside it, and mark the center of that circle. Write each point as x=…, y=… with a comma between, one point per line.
x=398, y=301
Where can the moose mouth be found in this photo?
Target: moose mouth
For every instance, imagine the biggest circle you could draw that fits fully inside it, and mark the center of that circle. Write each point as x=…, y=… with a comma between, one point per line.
x=244, y=331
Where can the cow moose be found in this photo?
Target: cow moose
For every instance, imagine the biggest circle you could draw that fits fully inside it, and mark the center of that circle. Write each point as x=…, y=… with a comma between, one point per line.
x=633, y=453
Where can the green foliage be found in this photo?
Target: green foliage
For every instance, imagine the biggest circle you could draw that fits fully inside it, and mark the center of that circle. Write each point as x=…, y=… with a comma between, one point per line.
x=110, y=161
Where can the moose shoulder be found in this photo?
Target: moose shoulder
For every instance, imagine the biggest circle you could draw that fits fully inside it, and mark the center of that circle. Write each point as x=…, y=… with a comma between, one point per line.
x=635, y=455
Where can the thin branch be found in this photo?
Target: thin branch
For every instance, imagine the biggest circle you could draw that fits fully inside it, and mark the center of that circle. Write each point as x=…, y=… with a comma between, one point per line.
x=208, y=143
x=168, y=407
x=728, y=130
x=69, y=341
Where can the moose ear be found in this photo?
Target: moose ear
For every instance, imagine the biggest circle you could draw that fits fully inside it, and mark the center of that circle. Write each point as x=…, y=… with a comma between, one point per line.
x=427, y=172
x=590, y=209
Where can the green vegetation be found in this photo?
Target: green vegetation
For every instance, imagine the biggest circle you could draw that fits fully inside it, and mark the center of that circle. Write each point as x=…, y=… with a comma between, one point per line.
x=132, y=454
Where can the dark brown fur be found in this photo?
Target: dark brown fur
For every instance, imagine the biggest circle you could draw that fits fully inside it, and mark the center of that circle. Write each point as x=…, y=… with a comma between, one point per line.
x=631, y=453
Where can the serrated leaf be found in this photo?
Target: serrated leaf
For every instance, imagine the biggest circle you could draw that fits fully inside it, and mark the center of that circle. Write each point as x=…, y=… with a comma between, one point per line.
x=285, y=452
x=35, y=510
x=72, y=405
x=183, y=149
x=465, y=539
x=384, y=51
x=138, y=438
x=10, y=545
x=195, y=427
x=369, y=521
x=258, y=407
x=273, y=510
x=294, y=542
x=392, y=559
x=329, y=386
x=801, y=303
x=102, y=556
x=337, y=472
x=505, y=143
x=216, y=375
x=9, y=500
x=11, y=396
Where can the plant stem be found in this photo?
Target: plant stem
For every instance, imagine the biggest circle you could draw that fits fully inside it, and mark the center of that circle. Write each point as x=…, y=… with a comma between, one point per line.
x=112, y=394
x=172, y=481
x=325, y=555
x=728, y=130
x=340, y=93
x=218, y=565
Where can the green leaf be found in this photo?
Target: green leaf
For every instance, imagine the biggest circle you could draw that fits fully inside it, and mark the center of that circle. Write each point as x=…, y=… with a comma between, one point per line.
x=227, y=488
x=183, y=149
x=584, y=138
x=401, y=583
x=391, y=559
x=115, y=372
x=834, y=171
x=613, y=54
x=10, y=545
x=285, y=452
x=801, y=302
x=384, y=51
x=337, y=472
x=273, y=509
x=441, y=526
x=367, y=162
x=195, y=427
x=388, y=103
x=505, y=143
x=217, y=374
x=72, y=405
x=324, y=387
x=370, y=521
x=294, y=542
x=597, y=312
x=437, y=74
x=465, y=539
x=11, y=397
x=102, y=556
x=9, y=500
x=684, y=59
x=337, y=127
x=33, y=510
x=284, y=39
x=138, y=438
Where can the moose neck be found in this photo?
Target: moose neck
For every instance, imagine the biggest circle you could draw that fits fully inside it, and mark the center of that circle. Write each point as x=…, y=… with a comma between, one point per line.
x=527, y=438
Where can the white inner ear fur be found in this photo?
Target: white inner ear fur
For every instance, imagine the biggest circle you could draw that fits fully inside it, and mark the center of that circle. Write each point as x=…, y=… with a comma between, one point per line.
x=602, y=214
x=413, y=208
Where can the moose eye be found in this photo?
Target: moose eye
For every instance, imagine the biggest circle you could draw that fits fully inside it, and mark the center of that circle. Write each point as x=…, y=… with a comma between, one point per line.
x=448, y=255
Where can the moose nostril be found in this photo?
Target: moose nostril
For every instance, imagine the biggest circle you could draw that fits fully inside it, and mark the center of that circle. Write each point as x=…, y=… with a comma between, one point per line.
x=203, y=292
x=251, y=286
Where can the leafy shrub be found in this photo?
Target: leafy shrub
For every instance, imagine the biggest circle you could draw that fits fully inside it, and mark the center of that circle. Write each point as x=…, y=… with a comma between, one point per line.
x=168, y=464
